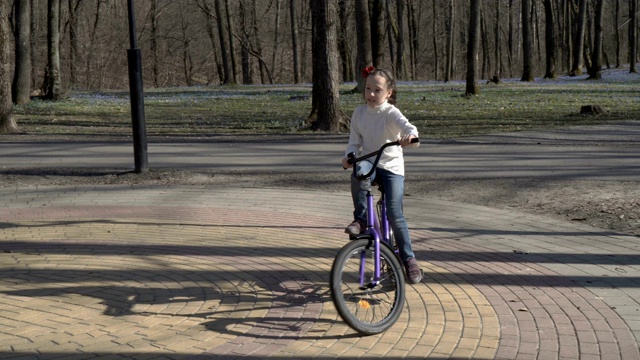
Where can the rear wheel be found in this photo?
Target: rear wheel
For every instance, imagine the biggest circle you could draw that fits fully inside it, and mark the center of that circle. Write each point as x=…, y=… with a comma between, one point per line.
x=370, y=307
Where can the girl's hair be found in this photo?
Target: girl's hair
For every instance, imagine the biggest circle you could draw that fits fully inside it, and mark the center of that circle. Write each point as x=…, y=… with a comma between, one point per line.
x=391, y=81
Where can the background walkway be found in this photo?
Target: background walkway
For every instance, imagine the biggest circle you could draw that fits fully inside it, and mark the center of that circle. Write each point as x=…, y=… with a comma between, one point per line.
x=195, y=272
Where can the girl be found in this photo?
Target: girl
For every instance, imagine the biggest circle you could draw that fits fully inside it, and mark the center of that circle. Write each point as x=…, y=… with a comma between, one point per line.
x=372, y=125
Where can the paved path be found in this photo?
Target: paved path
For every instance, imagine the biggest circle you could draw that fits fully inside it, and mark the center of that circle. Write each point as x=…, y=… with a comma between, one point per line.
x=187, y=272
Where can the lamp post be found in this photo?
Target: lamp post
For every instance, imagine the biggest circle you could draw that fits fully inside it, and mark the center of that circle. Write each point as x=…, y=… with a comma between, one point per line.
x=137, y=98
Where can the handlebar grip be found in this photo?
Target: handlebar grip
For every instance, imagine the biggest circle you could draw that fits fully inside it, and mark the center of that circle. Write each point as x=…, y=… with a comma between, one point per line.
x=351, y=156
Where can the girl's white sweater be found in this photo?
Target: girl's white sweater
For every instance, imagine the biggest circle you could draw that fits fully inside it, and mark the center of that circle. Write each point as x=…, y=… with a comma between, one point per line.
x=373, y=127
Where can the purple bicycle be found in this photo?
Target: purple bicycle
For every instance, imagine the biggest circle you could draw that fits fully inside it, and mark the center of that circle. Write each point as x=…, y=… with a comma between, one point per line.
x=367, y=278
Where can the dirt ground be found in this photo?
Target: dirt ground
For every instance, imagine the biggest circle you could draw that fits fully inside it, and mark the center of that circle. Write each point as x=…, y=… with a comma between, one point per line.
x=612, y=205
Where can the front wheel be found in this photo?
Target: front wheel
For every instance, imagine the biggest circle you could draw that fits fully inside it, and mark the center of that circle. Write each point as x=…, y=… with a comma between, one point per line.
x=368, y=307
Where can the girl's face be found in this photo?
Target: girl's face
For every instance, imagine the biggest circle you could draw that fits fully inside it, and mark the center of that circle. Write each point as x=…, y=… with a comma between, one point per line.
x=376, y=91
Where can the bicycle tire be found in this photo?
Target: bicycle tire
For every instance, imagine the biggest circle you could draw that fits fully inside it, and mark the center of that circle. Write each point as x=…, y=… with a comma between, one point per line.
x=368, y=310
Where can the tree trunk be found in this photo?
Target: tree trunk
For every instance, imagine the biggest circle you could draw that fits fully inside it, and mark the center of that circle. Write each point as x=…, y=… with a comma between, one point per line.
x=245, y=60
x=390, y=36
x=436, y=56
x=595, y=71
x=155, y=67
x=325, y=113
x=377, y=31
x=53, y=81
x=294, y=42
x=576, y=66
x=450, y=41
x=276, y=38
x=414, y=43
x=527, y=46
x=22, y=77
x=344, y=50
x=510, y=40
x=568, y=39
x=550, y=40
x=498, y=46
x=232, y=50
x=616, y=17
x=92, y=42
x=633, y=35
x=258, y=43
x=187, y=61
x=536, y=31
x=363, y=39
x=224, y=44
x=484, y=37
x=400, y=66
x=7, y=119
x=212, y=37
x=32, y=44
x=473, y=45
x=73, y=41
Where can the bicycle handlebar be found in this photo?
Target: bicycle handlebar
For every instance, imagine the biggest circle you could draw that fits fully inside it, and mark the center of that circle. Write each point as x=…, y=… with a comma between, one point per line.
x=352, y=160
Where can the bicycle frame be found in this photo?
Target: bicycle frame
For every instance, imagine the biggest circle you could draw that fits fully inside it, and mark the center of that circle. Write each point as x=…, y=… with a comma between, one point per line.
x=376, y=230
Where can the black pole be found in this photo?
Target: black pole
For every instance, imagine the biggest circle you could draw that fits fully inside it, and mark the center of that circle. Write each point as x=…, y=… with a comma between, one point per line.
x=137, y=98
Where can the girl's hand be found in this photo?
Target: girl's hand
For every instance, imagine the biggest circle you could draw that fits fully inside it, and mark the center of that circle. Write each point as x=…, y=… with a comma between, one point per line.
x=345, y=163
x=405, y=140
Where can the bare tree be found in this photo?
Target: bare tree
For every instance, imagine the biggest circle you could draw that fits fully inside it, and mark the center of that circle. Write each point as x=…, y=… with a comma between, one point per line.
x=473, y=45
x=344, y=48
x=595, y=71
x=276, y=40
x=155, y=67
x=224, y=44
x=450, y=41
x=550, y=40
x=73, y=8
x=633, y=35
x=325, y=105
x=616, y=18
x=33, y=46
x=377, y=30
x=576, y=66
x=511, y=43
x=257, y=44
x=436, y=54
x=232, y=51
x=91, y=48
x=7, y=119
x=400, y=66
x=294, y=41
x=210, y=29
x=53, y=88
x=245, y=45
x=498, y=44
x=363, y=36
x=527, y=42
x=414, y=38
x=484, y=41
x=21, y=88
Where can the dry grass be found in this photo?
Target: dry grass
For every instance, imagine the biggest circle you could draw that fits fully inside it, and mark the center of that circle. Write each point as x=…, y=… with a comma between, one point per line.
x=439, y=110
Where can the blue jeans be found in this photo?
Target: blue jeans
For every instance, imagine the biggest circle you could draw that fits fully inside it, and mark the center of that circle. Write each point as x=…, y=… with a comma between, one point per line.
x=394, y=191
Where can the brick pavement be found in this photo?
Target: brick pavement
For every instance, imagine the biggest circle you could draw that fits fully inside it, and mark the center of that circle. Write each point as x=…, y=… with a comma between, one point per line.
x=194, y=273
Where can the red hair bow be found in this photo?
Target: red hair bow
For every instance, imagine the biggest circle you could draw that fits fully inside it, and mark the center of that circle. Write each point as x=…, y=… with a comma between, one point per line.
x=368, y=70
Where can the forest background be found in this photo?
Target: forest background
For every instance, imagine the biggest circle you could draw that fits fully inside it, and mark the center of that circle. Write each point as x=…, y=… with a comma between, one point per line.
x=204, y=42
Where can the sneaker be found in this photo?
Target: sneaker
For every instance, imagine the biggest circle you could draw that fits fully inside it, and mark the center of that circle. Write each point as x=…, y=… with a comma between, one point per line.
x=355, y=228
x=414, y=273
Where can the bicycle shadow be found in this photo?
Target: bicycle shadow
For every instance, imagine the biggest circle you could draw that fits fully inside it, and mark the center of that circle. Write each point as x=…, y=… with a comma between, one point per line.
x=293, y=307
